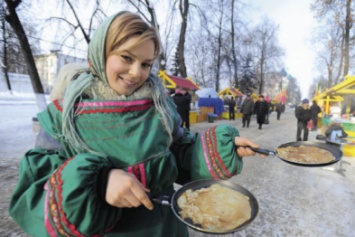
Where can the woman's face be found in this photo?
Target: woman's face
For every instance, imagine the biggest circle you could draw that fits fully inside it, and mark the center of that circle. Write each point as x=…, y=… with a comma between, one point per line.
x=127, y=67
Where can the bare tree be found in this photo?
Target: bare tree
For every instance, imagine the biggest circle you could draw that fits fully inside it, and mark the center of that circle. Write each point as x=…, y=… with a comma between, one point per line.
x=330, y=54
x=13, y=19
x=266, y=50
x=201, y=64
x=4, y=63
x=341, y=13
x=76, y=30
x=235, y=63
x=184, y=11
x=149, y=6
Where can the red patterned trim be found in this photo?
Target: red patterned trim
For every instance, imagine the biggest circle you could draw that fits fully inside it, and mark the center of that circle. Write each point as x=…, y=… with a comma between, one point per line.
x=213, y=155
x=205, y=155
x=115, y=110
x=224, y=168
x=56, y=212
x=128, y=106
x=112, y=103
x=57, y=105
x=139, y=172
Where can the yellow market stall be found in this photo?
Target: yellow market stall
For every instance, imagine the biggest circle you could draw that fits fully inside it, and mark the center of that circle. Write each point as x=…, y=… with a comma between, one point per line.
x=335, y=106
x=226, y=95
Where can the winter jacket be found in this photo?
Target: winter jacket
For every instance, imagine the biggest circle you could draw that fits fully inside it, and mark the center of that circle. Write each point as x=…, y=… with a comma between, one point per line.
x=302, y=115
x=315, y=110
x=247, y=106
x=261, y=109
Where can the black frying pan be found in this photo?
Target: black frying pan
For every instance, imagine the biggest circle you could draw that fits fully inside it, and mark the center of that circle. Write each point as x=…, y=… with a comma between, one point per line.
x=195, y=185
x=335, y=151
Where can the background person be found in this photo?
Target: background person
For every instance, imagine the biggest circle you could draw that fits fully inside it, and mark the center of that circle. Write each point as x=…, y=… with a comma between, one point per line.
x=303, y=115
x=279, y=108
x=110, y=137
x=315, y=110
x=231, y=105
x=182, y=99
x=261, y=110
x=247, y=110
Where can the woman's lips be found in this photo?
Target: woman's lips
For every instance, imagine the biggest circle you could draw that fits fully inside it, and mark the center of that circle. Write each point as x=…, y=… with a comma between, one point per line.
x=130, y=83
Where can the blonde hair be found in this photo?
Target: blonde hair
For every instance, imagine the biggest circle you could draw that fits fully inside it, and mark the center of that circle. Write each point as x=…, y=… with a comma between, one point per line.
x=129, y=25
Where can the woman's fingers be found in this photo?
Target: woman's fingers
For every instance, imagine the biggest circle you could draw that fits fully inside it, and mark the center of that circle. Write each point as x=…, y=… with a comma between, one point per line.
x=243, y=145
x=124, y=190
x=242, y=142
x=142, y=197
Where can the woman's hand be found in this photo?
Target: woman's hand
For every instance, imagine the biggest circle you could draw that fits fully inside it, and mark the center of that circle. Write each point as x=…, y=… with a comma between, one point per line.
x=242, y=147
x=124, y=190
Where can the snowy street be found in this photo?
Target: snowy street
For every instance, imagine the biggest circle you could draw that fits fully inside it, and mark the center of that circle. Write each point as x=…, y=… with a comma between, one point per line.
x=293, y=200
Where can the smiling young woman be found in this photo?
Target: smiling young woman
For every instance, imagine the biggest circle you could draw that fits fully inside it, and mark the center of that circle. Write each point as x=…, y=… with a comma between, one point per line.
x=110, y=139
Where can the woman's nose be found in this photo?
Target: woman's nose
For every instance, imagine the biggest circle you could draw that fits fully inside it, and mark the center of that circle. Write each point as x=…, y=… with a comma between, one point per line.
x=135, y=70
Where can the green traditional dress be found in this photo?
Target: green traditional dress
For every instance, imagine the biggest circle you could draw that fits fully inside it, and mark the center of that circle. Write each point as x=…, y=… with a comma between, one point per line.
x=61, y=191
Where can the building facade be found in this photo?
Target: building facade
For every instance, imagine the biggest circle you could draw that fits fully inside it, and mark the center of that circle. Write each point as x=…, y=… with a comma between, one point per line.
x=49, y=65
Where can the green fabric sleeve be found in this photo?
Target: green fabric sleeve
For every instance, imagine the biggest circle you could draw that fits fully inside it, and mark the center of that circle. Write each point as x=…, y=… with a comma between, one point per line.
x=76, y=197
x=206, y=155
x=26, y=204
x=71, y=195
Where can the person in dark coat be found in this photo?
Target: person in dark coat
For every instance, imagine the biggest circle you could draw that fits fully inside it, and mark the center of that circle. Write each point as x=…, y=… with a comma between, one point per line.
x=261, y=110
x=247, y=110
x=303, y=115
x=315, y=110
x=182, y=99
x=231, y=109
x=279, y=108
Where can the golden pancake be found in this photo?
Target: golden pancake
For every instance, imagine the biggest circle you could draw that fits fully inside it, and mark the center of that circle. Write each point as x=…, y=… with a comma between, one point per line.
x=216, y=208
x=306, y=154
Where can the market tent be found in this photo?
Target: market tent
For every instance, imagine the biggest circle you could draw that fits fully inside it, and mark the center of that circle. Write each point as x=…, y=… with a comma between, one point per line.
x=172, y=82
x=334, y=94
x=231, y=91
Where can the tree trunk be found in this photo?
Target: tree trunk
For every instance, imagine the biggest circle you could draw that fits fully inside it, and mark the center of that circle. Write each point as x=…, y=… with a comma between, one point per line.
x=347, y=37
x=16, y=25
x=154, y=22
x=219, y=47
x=184, y=10
x=235, y=63
x=4, y=59
x=218, y=58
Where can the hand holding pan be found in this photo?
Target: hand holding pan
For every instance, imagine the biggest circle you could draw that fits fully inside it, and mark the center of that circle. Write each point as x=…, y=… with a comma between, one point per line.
x=263, y=151
x=335, y=151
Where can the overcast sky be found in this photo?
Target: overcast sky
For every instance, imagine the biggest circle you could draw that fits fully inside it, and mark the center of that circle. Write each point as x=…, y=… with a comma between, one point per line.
x=296, y=24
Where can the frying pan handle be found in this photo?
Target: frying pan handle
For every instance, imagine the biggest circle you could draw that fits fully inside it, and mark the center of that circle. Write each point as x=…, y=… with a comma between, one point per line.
x=162, y=200
x=321, y=137
x=263, y=151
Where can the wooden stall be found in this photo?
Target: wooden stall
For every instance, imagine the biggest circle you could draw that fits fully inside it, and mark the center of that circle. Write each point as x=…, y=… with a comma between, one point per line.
x=174, y=82
x=226, y=94
x=335, y=96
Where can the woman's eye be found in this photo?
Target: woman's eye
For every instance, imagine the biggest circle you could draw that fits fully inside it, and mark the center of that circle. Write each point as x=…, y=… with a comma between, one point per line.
x=126, y=58
x=146, y=65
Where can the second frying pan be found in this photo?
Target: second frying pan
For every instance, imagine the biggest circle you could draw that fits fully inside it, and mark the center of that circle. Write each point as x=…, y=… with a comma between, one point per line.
x=335, y=151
